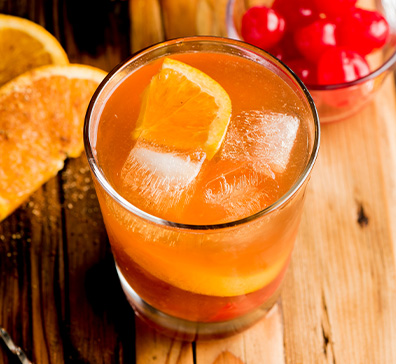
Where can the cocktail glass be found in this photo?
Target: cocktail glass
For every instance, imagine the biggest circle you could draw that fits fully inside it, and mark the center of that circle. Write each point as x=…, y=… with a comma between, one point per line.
x=157, y=259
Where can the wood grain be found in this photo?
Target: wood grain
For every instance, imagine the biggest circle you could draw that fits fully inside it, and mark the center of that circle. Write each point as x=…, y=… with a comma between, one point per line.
x=345, y=252
x=146, y=23
x=60, y=298
x=153, y=21
x=261, y=343
x=340, y=290
x=385, y=114
x=153, y=348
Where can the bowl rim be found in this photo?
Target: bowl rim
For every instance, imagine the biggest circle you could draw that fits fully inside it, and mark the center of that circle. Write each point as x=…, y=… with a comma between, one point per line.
x=388, y=65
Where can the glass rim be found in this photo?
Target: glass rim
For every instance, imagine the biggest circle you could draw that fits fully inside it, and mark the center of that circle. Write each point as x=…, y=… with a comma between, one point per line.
x=388, y=65
x=111, y=191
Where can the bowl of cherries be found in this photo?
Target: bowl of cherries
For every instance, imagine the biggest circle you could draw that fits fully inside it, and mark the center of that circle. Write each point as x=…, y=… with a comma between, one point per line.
x=342, y=50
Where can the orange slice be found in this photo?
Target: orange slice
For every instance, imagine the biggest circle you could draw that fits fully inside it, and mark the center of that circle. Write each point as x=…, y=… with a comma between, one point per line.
x=209, y=279
x=41, y=123
x=184, y=109
x=25, y=45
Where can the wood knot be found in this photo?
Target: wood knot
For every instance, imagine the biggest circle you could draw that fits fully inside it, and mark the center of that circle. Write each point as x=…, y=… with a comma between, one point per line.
x=227, y=358
x=362, y=218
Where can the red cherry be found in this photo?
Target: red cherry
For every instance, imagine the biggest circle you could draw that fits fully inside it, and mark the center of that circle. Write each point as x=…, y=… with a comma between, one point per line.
x=363, y=31
x=334, y=8
x=262, y=27
x=314, y=39
x=305, y=70
x=277, y=52
x=286, y=49
x=297, y=13
x=339, y=65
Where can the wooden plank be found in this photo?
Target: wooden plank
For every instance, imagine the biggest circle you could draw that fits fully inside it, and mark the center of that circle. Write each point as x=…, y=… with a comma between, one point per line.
x=16, y=288
x=99, y=323
x=62, y=300
x=146, y=23
x=31, y=249
x=179, y=17
x=96, y=309
x=341, y=292
x=211, y=17
x=46, y=275
x=261, y=343
x=32, y=244
x=154, y=348
x=386, y=115
x=94, y=34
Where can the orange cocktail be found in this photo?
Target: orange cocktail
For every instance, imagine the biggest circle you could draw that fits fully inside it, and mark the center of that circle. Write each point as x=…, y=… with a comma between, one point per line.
x=201, y=150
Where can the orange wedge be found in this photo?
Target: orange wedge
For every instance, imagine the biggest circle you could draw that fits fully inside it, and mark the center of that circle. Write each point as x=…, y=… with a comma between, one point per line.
x=25, y=45
x=202, y=277
x=184, y=109
x=41, y=123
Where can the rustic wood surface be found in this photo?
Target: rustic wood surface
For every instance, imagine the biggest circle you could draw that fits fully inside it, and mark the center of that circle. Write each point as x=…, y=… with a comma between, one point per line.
x=59, y=294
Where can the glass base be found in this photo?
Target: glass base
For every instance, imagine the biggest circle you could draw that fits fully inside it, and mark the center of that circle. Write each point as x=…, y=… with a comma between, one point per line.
x=185, y=330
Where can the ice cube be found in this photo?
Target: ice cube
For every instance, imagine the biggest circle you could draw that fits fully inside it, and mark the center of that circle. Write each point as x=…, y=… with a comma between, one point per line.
x=231, y=190
x=242, y=180
x=262, y=139
x=157, y=179
x=236, y=192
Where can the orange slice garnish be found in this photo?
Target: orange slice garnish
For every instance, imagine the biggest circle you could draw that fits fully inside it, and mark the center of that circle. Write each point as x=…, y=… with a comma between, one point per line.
x=184, y=109
x=25, y=45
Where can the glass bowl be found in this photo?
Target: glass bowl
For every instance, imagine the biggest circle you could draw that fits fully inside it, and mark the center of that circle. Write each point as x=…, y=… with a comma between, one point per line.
x=338, y=101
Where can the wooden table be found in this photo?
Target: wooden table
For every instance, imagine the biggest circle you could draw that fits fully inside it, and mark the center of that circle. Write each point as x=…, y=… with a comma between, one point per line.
x=59, y=294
